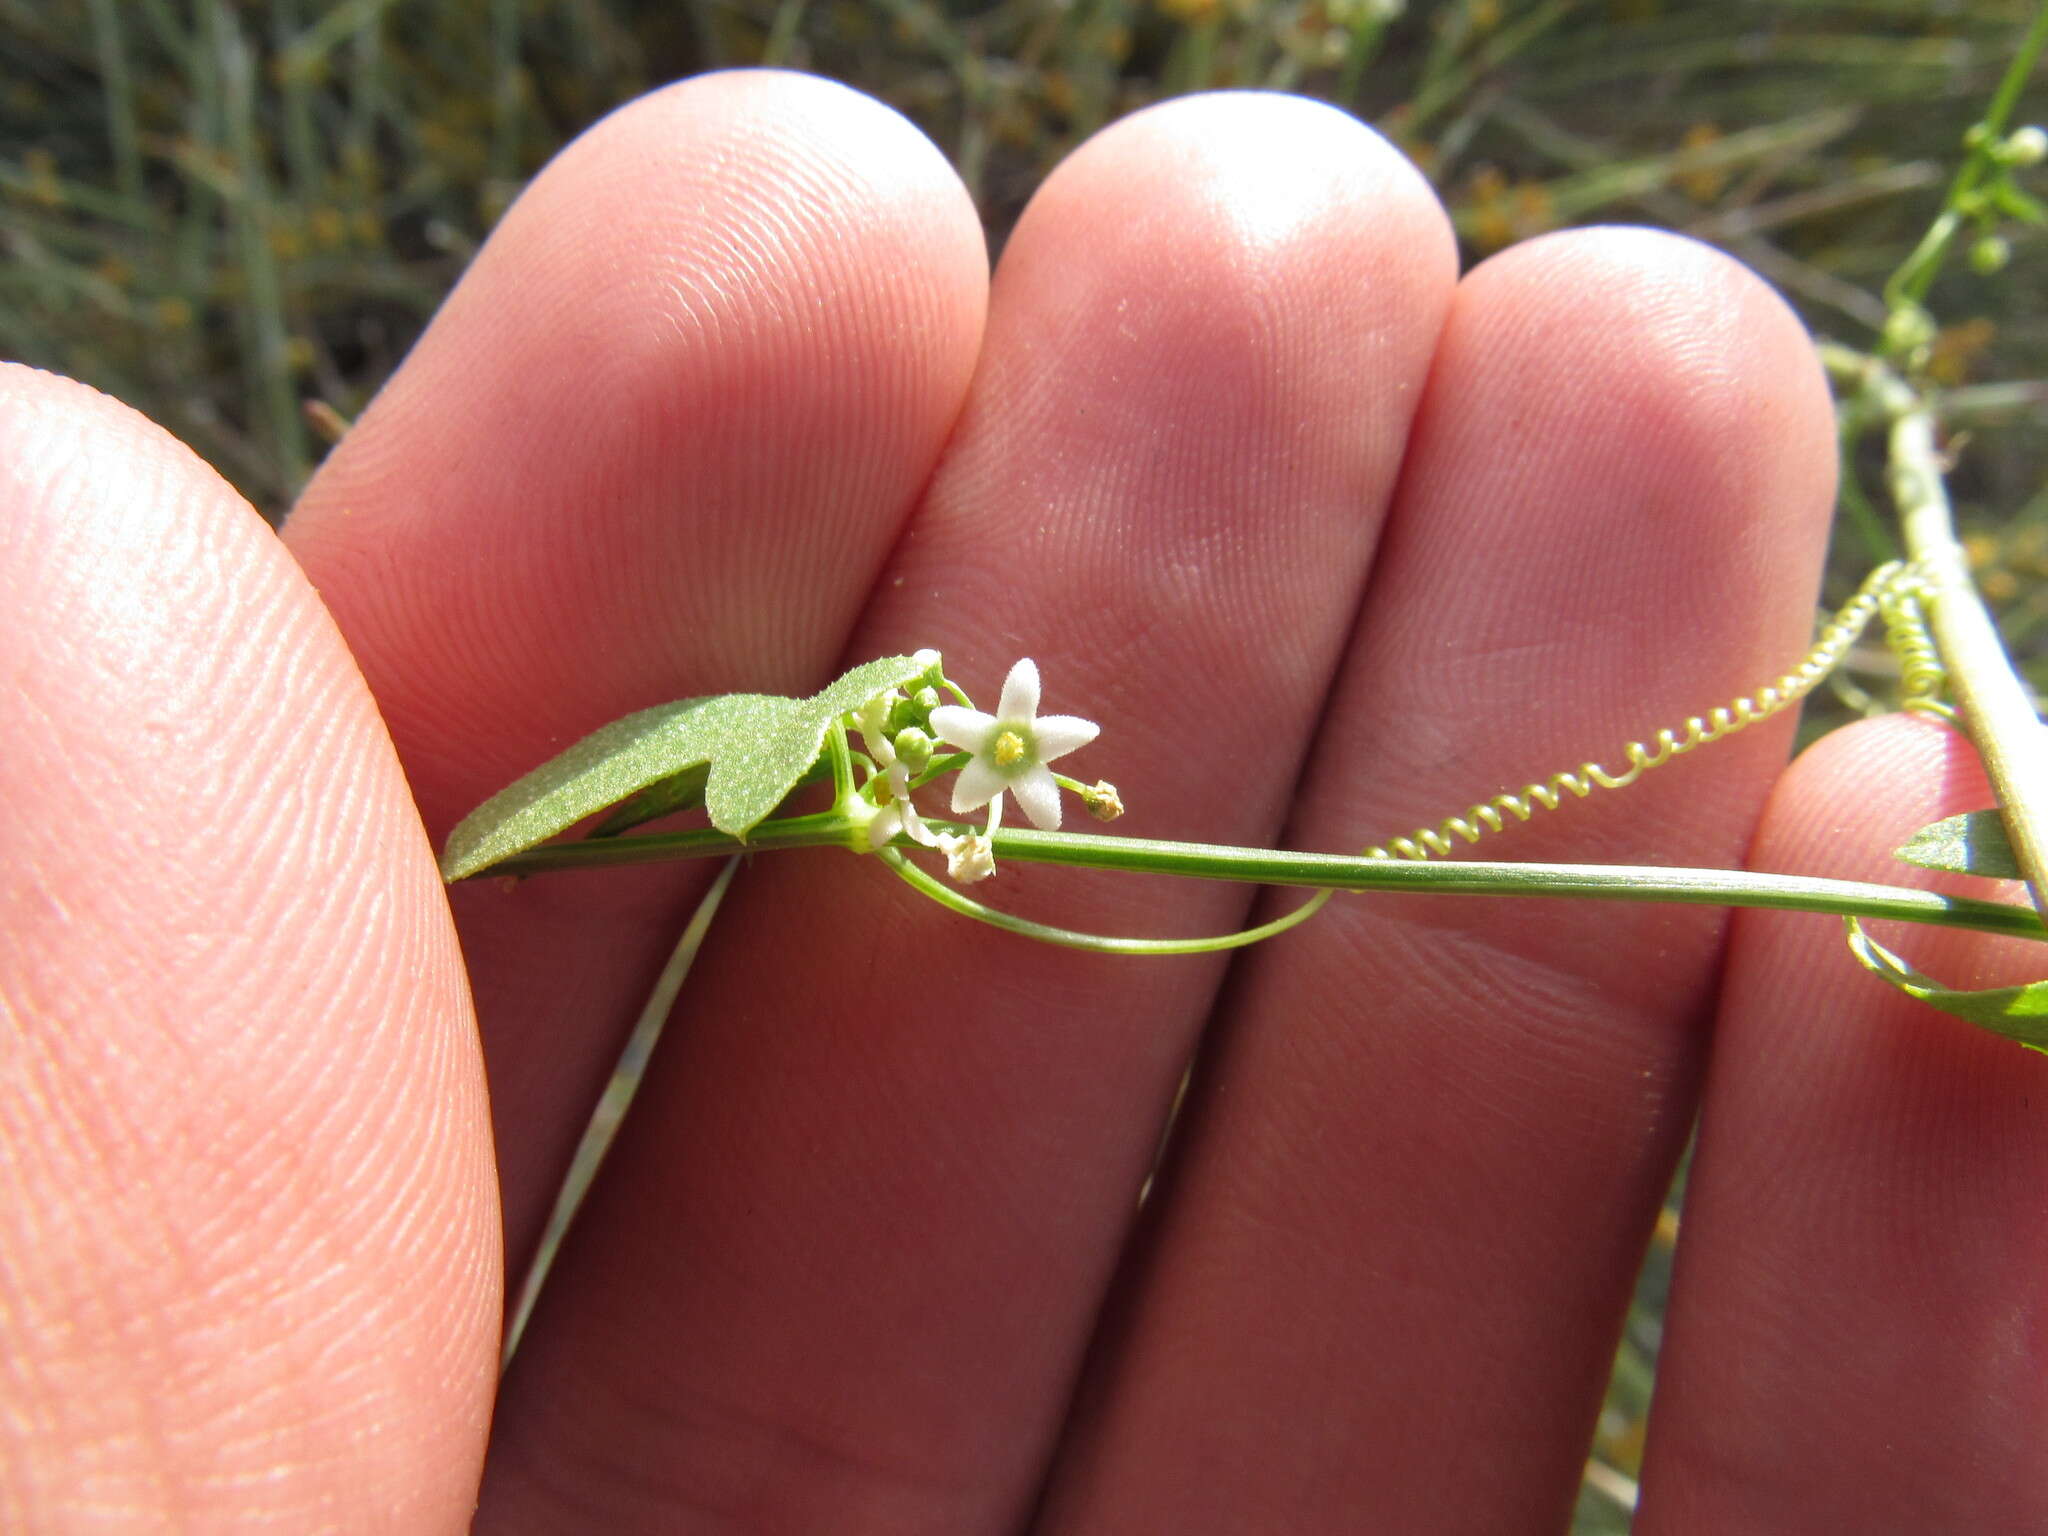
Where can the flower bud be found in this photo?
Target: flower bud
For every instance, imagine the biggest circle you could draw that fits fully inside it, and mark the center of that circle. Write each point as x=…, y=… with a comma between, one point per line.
x=913, y=748
x=1907, y=330
x=915, y=711
x=1990, y=254
x=2026, y=146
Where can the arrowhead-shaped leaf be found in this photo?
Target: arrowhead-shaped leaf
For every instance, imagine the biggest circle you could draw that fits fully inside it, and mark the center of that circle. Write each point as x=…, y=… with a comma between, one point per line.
x=664, y=797
x=754, y=749
x=605, y=766
x=1971, y=844
x=2018, y=1013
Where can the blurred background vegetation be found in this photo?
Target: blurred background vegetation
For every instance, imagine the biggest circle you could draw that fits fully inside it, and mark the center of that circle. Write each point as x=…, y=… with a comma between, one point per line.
x=237, y=214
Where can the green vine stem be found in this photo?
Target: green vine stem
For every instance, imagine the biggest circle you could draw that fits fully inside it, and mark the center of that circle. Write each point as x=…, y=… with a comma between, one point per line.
x=1997, y=710
x=1102, y=944
x=1996, y=707
x=1908, y=286
x=1329, y=871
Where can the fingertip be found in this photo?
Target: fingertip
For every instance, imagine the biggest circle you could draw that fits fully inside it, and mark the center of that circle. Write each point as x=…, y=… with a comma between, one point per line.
x=663, y=431
x=1714, y=375
x=248, y=1254
x=1273, y=205
x=657, y=443
x=1259, y=172
x=1846, y=796
x=1863, y=1231
x=1843, y=809
x=1215, y=315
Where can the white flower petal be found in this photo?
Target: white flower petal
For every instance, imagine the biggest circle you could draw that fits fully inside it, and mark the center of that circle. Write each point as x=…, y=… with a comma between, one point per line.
x=978, y=783
x=1020, y=692
x=888, y=821
x=1039, y=796
x=1060, y=734
x=913, y=823
x=874, y=729
x=968, y=729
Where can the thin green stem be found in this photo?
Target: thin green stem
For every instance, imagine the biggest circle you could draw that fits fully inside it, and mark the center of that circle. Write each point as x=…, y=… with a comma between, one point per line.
x=1595, y=882
x=950, y=897
x=1447, y=79
x=274, y=397
x=117, y=90
x=603, y=1126
x=842, y=763
x=2018, y=72
x=507, y=103
x=949, y=763
x=1917, y=272
x=1996, y=708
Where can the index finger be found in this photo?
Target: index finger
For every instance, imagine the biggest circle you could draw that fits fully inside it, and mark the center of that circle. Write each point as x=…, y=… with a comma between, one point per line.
x=657, y=444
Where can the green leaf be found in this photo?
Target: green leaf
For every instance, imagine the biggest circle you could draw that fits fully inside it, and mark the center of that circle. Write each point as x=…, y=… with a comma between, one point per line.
x=855, y=688
x=1971, y=844
x=754, y=749
x=664, y=797
x=750, y=778
x=2018, y=1013
x=609, y=764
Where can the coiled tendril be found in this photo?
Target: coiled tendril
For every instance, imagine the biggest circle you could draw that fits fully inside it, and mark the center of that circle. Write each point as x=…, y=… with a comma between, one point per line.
x=1893, y=590
x=1922, y=677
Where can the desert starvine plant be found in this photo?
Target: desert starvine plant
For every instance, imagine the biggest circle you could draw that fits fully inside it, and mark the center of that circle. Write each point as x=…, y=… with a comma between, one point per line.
x=740, y=756
x=739, y=759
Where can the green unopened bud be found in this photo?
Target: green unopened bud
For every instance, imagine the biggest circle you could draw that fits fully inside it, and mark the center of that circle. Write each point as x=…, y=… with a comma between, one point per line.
x=913, y=748
x=1990, y=254
x=1102, y=800
x=915, y=711
x=1907, y=330
x=2026, y=146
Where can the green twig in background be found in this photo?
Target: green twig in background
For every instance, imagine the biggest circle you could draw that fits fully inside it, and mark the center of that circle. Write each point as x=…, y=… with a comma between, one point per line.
x=1908, y=286
x=611, y=1109
x=273, y=400
x=117, y=89
x=1997, y=711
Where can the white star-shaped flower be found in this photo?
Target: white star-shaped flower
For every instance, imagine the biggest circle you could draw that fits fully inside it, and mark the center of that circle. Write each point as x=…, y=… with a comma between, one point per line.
x=1011, y=749
x=896, y=813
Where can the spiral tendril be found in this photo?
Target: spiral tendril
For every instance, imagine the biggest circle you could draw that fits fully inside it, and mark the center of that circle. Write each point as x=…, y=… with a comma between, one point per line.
x=1893, y=590
x=1922, y=677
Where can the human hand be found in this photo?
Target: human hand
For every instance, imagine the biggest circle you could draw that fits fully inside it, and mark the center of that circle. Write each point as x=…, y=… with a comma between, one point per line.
x=1330, y=543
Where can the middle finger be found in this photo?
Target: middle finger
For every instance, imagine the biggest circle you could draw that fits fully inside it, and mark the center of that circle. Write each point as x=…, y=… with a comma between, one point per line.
x=893, y=1165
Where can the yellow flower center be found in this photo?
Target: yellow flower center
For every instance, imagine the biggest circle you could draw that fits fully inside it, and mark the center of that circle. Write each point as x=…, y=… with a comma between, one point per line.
x=1009, y=749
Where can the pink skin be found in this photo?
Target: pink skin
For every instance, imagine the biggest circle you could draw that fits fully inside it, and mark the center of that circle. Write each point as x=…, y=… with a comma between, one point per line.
x=729, y=401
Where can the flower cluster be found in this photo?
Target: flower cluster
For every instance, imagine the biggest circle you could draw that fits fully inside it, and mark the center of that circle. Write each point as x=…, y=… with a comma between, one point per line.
x=1008, y=751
